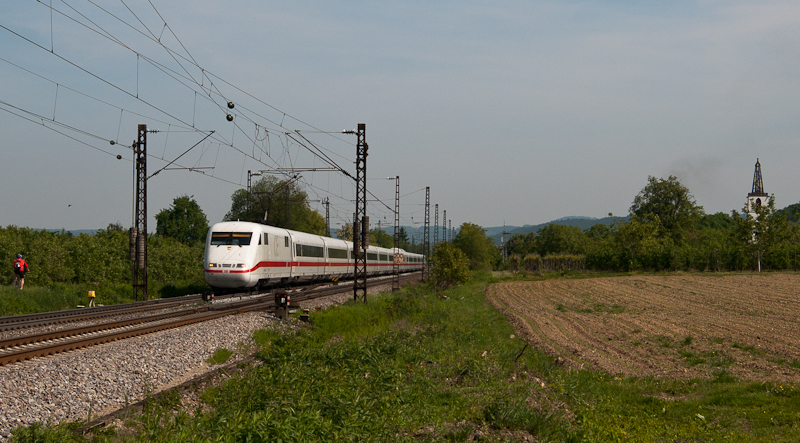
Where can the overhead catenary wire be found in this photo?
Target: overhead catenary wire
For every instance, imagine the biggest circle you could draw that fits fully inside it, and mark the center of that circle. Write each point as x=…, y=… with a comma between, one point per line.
x=173, y=53
x=106, y=34
x=207, y=83
x=91, y=97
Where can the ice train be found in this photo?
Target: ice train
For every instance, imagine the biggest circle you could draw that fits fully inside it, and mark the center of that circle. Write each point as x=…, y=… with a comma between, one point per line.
x=242, y=255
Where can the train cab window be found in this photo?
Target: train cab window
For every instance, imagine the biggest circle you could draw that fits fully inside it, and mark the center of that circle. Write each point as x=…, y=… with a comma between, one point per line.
x=286, y=242
x=266, y=238
x=230, y=238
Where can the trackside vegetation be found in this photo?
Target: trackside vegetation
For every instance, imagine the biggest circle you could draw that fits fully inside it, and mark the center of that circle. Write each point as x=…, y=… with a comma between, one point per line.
x=424, y=364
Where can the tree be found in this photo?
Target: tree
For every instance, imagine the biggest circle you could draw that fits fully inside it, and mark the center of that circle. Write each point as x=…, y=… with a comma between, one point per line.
x=345, y=232
x=521, y=244
x=638, y=241
x=402, y=235
x=449, y=266
x=597, y=232
x=564, y=239
x=379, y=237
x=115, y=227
x=670, y=203
x=480, y=250
x=764, y=232
x=720, y=220
x=268, y=201
x=183, y=221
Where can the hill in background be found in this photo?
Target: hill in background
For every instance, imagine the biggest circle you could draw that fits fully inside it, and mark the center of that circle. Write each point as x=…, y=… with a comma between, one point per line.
x=496, y=232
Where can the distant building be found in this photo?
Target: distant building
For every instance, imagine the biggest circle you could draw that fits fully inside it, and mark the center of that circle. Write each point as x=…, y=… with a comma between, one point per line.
x=757, y=197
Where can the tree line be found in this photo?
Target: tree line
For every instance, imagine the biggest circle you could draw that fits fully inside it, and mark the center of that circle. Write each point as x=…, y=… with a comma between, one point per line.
x=668, y=230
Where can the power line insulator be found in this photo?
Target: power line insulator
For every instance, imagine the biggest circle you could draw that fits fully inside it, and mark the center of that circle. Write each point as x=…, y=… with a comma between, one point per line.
x=230, y=105
x=229, y=117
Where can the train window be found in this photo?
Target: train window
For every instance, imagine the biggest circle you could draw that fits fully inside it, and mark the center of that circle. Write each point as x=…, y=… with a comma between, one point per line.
x=286, y=242
x=372, y=256
x=266, y=238
x=309, y=251
x=337, y=253
x=230, y=238
x=384, y=258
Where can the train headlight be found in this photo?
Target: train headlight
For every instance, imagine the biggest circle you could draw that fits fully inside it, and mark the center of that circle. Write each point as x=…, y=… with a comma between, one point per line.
x=212, y=265
x=240, y=265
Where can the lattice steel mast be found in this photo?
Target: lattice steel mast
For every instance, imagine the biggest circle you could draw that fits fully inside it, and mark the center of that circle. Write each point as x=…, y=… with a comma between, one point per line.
x=140, y=230
x=436, y=225
x=361, y=220
x=397, y=257
x=426, y=239
x=444, y=226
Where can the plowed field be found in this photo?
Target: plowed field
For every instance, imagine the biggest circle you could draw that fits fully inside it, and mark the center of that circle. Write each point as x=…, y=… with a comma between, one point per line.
x=671, y=326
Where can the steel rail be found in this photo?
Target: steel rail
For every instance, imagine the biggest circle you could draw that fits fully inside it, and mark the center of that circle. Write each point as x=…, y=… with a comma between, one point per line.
x=50, y=343
x=54, y=347
x=45, y=318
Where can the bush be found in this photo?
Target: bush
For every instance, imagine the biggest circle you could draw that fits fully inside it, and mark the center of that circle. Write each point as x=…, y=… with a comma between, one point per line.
x=449, y=266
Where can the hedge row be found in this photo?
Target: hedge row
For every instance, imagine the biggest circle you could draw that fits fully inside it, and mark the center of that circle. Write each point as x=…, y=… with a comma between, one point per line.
x=548, y=263
x=60, y=257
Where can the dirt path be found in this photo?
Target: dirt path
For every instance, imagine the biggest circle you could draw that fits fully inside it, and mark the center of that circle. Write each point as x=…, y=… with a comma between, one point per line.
x=675, y=326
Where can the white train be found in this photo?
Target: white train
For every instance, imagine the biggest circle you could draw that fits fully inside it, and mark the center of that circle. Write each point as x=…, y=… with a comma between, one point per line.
x=244, y=255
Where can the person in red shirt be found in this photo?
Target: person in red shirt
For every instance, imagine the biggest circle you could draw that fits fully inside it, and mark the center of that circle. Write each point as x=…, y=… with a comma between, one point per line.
x=20, y=268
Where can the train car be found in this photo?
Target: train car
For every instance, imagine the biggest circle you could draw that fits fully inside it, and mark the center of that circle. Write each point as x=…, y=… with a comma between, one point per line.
x=245, y=255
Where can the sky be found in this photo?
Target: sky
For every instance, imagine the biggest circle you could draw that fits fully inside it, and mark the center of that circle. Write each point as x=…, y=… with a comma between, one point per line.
x=512, y=112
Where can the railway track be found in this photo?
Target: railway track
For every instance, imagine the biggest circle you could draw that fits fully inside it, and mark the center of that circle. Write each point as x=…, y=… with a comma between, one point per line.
x=99, y=312
x=24, y=347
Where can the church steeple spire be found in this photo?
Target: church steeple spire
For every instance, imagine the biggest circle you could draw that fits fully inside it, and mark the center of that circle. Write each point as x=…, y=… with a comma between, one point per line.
x=757, y=197
x=758, y=184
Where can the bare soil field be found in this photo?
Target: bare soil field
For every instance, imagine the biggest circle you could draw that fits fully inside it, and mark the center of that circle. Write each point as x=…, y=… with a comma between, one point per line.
x=677, y=326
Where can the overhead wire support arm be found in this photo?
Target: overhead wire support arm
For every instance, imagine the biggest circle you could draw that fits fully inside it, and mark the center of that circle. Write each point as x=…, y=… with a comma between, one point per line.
x=316, y=151
x=287, y=171
x=184, y=153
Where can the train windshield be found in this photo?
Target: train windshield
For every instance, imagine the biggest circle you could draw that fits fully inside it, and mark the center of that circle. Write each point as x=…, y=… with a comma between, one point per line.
x=231, y=238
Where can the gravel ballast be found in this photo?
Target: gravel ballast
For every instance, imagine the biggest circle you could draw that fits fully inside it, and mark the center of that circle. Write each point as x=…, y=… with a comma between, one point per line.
x=104, y=378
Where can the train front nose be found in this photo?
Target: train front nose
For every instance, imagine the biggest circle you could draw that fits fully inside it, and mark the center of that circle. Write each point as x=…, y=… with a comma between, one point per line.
x=227, y=274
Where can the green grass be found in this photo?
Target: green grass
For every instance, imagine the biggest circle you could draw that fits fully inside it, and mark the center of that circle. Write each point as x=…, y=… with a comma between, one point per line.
x=220, y=356
x=414, y=367
x=62, y=296
x=58, y=297
x=749, y=349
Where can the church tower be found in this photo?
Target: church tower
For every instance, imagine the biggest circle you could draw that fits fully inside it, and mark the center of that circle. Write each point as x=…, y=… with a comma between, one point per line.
x=757, y=197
